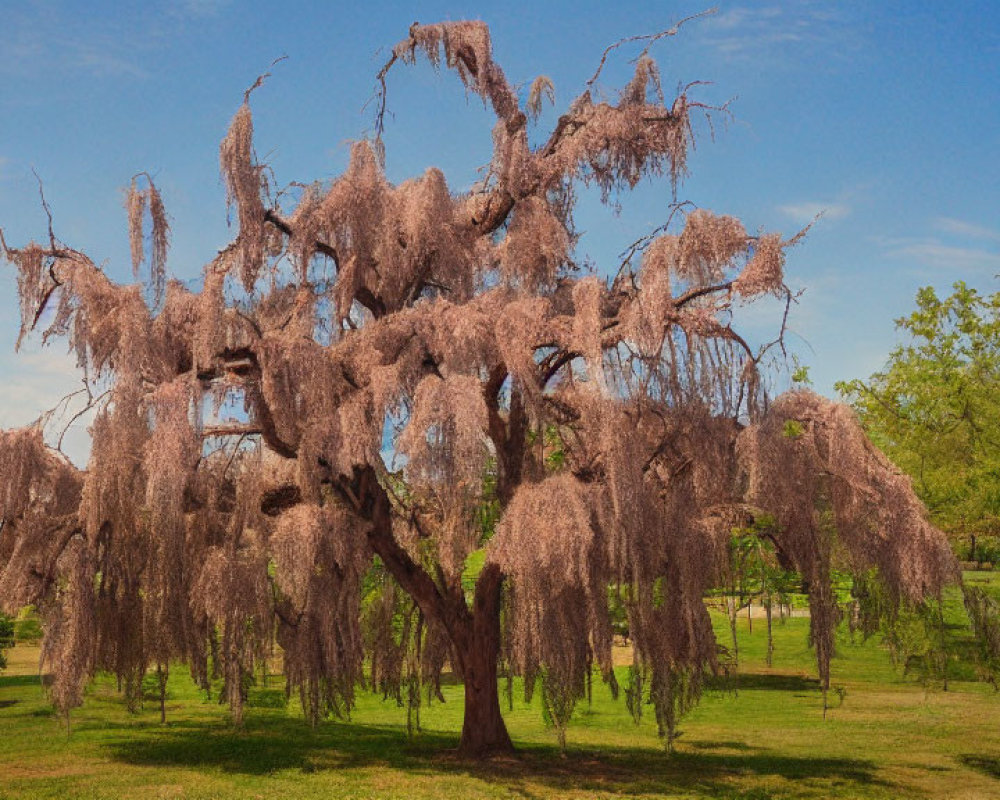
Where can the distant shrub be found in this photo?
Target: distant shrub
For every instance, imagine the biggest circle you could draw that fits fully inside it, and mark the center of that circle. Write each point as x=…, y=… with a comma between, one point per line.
x=267, y=698
x=983, y=607
x=6, y=637
x=27, y=626
x=987, y=551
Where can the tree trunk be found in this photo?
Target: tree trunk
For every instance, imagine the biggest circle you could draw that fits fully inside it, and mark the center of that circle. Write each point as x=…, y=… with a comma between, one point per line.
x=770, y=637
x=475, y=636
x=484, y=733
x=162, y=673
x=732, y=611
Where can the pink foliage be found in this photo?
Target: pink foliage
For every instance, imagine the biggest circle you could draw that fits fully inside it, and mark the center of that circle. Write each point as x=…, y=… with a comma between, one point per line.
x=614, y=432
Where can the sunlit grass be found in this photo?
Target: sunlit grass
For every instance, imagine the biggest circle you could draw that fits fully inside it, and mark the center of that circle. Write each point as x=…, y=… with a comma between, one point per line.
x=889, y=738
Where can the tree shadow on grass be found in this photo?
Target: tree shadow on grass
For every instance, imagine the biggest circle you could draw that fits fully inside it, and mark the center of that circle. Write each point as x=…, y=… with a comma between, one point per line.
x=988, y=765
x=274, y=744
x=13, y=681
x=770, y=681
x=719, y=744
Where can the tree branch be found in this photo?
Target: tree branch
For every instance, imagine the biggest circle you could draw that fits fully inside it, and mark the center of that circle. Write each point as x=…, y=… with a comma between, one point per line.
x=649, y=38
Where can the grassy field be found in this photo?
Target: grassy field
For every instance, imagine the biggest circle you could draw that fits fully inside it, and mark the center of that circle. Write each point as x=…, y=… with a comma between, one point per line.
x=888, y=739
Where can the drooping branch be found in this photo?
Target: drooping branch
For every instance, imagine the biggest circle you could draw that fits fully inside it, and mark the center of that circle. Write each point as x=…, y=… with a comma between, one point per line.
x=374, y=503
x=584, y=435
x=467, y=49
x=262, y=77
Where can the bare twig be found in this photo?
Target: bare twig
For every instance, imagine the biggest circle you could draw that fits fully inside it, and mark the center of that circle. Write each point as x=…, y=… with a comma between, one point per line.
x=241, y=429
x=251, y=321
x=380, y=95
x=644, y=241
x=92, y=403
x=236, y=450
x=45, y=205
x=261, y=78
x=649, y=38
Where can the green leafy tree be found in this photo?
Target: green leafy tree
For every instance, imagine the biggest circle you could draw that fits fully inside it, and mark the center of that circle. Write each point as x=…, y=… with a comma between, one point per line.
x=6, y=638
x=740, y=586
x=754, y=572
x=935, y=411
x=775, y=584
x=983, y=608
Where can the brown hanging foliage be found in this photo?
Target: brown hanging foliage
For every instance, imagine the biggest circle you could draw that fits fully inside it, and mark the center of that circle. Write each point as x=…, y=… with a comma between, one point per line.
x=243, y=178
x=810, y=464
x=589, y=435
x=136, y=203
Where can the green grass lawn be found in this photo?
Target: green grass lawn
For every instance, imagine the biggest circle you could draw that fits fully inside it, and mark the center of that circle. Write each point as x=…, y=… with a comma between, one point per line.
x=888, y=739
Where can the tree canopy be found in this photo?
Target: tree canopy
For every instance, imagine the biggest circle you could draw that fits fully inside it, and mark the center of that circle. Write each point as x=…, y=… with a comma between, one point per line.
x=457, y=329
x=935, y=408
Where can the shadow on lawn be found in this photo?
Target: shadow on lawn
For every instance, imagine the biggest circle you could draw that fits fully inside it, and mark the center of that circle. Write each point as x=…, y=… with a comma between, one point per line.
x=271, y=745
x=769, y=681
x=11, y=681
x=985, y=764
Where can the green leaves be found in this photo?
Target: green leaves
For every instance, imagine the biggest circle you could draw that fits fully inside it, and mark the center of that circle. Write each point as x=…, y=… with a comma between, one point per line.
x=935, y=407
x=6, y=637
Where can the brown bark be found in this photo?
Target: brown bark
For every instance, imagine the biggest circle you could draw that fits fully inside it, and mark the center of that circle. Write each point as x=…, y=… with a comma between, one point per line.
x=475, y=636
x=770, y=637
x=484, y=733
x=162, y=673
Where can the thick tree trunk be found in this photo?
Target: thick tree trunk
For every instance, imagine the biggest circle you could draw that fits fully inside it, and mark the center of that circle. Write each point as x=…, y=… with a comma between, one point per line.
x=484, y=732
x=475, y=635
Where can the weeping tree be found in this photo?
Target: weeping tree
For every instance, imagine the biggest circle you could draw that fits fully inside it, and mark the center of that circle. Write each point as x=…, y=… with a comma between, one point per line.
x=616, y=429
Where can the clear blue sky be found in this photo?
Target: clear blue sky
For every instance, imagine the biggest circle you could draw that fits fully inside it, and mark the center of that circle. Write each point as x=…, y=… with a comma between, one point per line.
x=885, y=114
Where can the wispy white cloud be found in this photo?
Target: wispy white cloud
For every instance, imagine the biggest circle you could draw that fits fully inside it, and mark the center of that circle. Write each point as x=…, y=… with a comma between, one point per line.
x=45, y=38
x=960, y=246
x=35, y=41
x=198, y=9
x=936, y=254
x=969, y=230
x=24, y=46
x=806, y=212
x=739, y=17
x=34, y=382
x=742, y=32
x=101, y=62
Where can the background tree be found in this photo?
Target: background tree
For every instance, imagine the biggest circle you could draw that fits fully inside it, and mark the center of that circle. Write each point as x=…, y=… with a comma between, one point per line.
x=935, y=411
x=755, y=572
x=6, y=638
x=983, y=608
x=457, y=329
